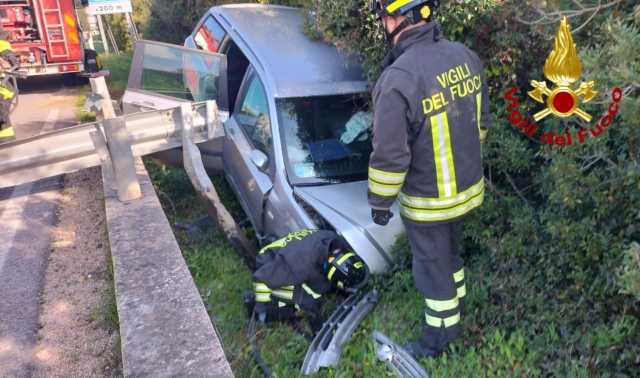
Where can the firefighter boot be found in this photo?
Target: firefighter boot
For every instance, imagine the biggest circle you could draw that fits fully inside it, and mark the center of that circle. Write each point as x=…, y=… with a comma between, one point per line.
x=430, y=345
x=418, y=350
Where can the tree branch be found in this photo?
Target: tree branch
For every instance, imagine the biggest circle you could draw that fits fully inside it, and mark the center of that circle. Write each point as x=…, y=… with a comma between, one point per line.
x=513, y=185
x=553, y=17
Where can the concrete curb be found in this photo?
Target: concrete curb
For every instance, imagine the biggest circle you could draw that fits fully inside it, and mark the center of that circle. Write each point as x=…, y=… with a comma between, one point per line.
x=164, y=326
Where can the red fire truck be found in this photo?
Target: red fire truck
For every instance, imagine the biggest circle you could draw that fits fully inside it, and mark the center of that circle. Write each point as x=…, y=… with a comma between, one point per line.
x=46, y=36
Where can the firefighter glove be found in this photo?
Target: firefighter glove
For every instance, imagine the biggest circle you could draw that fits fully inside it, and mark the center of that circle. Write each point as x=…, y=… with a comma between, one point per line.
x=381, y=217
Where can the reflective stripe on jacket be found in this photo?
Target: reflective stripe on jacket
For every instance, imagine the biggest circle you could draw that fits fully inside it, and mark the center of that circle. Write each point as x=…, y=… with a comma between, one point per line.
x=429, y=107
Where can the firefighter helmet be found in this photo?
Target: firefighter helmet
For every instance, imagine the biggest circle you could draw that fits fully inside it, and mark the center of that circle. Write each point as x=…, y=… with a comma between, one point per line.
x=414, y=10
x=346, y=270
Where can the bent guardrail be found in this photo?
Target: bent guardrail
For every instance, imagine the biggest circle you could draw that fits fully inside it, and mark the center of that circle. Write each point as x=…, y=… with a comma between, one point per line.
x=71, y=149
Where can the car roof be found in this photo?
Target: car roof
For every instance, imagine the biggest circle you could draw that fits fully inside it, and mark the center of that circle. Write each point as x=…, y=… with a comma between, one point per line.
x=297, y=65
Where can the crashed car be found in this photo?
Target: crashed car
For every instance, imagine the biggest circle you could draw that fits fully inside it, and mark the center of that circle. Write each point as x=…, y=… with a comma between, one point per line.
x=297, y=140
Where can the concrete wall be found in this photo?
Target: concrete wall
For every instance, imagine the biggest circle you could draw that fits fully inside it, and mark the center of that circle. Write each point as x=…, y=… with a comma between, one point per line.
x=164, y=326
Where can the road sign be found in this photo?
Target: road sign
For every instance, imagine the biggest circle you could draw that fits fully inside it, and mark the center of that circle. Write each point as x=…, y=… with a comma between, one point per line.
x=98, y=7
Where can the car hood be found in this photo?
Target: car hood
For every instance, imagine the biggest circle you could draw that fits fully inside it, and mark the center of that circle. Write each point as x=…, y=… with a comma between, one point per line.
x=346, y=208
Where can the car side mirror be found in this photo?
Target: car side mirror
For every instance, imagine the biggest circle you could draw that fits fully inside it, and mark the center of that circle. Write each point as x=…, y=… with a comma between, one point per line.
x=259, y=159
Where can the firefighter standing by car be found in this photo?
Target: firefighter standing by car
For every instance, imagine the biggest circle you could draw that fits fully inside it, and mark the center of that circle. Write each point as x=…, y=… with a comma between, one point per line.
x=293, y=273
x=6, y=94
x=430, y=113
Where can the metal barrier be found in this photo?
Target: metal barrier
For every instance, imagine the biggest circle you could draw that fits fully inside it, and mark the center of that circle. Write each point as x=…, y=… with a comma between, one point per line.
x=69, y=150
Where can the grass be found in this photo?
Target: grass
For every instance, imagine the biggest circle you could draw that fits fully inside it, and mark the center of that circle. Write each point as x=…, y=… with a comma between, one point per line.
x=497, y=340
x=222, y=278
x=82, y=116
x=118, y=65
x=106, y=315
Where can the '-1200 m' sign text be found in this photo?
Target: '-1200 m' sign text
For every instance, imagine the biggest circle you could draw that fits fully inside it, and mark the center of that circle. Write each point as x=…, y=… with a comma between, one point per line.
x=97, y=7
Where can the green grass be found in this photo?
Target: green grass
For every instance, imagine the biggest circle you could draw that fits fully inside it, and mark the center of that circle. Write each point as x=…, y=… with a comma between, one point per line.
x=222, y=277
x=106, y=315
x=83, y=116
x=118, y=65
x=490, y=347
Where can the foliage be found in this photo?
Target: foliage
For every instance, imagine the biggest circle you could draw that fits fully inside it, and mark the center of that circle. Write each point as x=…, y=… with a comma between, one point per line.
x=547, y=243
x=119, y=24
x=118, y=66
x=170, y=20
x=83, y=116
x=629, y=271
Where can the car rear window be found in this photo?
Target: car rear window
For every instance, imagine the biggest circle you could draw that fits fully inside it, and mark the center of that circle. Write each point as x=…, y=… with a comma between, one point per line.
x=209, y=35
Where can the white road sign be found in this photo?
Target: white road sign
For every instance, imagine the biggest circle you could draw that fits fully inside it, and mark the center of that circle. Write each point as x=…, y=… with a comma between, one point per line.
x=97, y=7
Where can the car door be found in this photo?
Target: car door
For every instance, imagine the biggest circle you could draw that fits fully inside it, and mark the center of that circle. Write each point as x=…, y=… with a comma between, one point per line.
x=164, y=76
x=248, y=149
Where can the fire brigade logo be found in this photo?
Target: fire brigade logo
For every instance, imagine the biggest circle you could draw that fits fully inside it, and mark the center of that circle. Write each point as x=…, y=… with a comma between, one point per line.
x=563, y=68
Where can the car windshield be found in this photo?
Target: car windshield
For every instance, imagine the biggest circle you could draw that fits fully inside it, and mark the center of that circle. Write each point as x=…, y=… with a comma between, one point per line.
x=327, y=138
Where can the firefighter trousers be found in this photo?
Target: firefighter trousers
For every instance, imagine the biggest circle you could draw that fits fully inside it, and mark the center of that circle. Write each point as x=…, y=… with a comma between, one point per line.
x=439, y=276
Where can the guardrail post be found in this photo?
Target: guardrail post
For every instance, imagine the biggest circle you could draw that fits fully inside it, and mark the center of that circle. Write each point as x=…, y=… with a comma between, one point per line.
x=114, y=146
x=194, y=167
x=99, y=87
x=119, y=145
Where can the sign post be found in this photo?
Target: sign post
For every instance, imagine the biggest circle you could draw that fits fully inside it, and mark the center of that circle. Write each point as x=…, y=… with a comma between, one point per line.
x=98, y=8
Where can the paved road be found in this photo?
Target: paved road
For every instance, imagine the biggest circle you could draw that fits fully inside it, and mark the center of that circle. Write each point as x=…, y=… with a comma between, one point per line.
x=45, y=104
x=27, y=218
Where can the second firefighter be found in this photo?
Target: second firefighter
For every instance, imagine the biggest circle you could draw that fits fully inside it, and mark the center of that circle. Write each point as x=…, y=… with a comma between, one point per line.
x=430, y=111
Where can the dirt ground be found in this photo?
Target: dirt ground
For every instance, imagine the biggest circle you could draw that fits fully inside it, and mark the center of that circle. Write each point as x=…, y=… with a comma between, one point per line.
x=79, y=335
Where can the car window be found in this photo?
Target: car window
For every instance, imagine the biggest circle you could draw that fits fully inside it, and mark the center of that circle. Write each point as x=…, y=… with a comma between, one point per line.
x=326, y=138
x=253, y=116
x=178, y=72
x=209, y=35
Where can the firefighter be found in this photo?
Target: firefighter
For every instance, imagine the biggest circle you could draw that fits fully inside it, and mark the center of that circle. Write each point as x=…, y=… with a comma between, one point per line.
x=293, y=273
x=6, y=93
x=430, y=112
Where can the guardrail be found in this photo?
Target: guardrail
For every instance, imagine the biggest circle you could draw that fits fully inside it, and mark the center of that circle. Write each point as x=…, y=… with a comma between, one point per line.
x=72, y=149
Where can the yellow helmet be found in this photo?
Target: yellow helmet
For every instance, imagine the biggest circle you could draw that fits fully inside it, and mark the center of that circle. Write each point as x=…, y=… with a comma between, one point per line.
x=416, y=10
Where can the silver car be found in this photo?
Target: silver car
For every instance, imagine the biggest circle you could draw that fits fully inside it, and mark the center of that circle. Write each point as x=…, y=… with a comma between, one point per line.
x=297, y=140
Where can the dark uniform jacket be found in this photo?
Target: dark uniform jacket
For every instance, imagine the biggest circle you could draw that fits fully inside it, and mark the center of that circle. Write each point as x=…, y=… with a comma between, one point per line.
x=429, y=104
x=292, y=268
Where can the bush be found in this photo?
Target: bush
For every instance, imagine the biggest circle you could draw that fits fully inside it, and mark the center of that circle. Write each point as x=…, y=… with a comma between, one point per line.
x=546, y=245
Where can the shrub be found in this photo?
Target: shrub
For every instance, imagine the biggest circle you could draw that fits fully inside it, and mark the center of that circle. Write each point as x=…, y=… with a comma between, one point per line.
x=550, y=247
